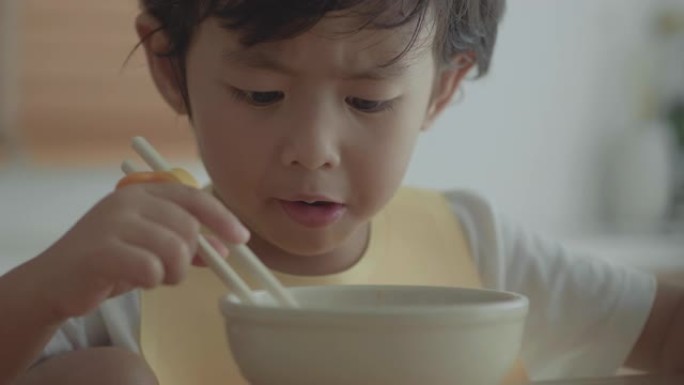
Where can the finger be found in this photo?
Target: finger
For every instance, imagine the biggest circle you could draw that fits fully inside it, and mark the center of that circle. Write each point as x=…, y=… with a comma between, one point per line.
x=175, y=218
x=165, y=245
x=135, y=265
x=198, y=261
x=208, y=210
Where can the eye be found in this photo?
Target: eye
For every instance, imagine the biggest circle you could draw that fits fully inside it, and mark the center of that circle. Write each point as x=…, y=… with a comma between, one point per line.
x=256, y=98
x=369, y=106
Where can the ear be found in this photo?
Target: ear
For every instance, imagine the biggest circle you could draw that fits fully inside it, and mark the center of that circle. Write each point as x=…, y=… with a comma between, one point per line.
x=446, y=84
x=155, y=41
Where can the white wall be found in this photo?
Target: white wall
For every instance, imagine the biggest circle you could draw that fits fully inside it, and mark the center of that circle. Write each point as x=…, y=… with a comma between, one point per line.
x=37, y=206
x=532, y=134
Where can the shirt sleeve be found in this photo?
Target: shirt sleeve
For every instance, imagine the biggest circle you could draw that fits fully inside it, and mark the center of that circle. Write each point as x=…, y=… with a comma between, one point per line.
x=585, y=313
x=114, y=323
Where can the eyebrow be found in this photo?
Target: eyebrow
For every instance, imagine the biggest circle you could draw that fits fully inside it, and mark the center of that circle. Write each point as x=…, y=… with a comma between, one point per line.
x=263, y=60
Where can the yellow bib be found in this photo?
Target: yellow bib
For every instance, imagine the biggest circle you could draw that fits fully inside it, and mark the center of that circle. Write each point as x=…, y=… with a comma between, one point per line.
x=415, y=240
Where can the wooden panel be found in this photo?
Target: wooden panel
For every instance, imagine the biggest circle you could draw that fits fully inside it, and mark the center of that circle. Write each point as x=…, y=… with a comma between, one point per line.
x=8, y=78
x=79, y=101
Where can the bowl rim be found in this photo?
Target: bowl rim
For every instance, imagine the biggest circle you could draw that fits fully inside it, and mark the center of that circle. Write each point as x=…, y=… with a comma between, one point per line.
x=510, y=306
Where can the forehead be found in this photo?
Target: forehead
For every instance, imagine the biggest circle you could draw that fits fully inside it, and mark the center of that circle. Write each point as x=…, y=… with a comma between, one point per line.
x=337, y=40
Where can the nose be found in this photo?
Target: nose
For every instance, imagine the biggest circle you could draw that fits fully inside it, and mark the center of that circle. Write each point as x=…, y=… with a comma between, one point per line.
x=311, y=143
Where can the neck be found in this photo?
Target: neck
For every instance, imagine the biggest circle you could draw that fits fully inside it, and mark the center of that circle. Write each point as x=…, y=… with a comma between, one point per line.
x=335, y=261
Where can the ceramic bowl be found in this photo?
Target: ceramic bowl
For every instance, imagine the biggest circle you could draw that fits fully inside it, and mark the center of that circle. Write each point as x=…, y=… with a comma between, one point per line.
x=397, y=335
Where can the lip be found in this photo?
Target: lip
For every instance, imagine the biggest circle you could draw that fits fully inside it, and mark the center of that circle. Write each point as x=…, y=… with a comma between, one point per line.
x=311, y=198
x=312, y=216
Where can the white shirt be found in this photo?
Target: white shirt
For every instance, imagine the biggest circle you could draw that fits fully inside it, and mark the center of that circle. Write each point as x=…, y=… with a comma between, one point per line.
x=585, y=314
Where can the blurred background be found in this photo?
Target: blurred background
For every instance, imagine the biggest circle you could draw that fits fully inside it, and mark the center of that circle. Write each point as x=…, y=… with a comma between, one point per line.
x=577, y=132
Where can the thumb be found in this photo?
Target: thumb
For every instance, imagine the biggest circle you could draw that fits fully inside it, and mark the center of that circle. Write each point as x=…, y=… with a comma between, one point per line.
x=220, y=248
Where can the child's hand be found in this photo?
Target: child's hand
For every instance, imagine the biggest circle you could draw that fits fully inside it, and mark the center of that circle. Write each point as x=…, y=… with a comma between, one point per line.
x=141, y=235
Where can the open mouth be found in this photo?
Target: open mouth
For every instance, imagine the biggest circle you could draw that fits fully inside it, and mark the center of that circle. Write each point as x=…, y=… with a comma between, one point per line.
x=316, y=203
x=313, y=213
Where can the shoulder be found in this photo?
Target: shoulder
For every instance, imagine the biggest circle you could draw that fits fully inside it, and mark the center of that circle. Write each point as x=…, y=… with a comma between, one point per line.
x=483, y=229
x=467, y=205
x=569, y=292
x=474, y=209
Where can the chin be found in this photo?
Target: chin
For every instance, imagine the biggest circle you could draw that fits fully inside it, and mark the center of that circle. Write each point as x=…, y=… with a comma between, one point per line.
x=307, y=242
x=308, y=246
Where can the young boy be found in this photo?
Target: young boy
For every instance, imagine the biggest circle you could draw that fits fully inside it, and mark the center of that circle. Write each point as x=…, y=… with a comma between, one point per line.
x=305, y=116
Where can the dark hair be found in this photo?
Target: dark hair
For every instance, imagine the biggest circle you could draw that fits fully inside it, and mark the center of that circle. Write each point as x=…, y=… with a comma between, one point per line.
x=461, y=25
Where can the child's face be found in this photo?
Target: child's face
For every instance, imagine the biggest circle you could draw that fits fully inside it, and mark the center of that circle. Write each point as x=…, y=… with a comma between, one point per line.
x=314, y=118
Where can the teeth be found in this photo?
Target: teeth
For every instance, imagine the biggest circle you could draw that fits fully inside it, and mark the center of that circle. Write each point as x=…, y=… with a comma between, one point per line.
x=314, y=203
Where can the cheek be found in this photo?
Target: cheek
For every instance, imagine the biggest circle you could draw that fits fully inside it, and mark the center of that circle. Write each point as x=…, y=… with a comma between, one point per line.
x=394, y=152
x=229, y=150
x=229, y=143
x=381, y=164
x=218, y=125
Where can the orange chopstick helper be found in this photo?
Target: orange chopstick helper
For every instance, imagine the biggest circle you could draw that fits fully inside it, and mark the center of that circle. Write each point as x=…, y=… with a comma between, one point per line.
x=175, y=175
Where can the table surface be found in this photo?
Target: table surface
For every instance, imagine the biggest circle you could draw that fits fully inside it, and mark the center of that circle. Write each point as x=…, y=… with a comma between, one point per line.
x=621, y=380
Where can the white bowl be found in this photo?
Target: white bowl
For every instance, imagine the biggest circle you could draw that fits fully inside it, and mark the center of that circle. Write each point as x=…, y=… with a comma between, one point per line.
x=378, y=335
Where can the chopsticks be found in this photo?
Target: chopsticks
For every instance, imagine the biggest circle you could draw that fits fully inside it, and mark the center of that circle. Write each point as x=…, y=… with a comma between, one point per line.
x=210, y=256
